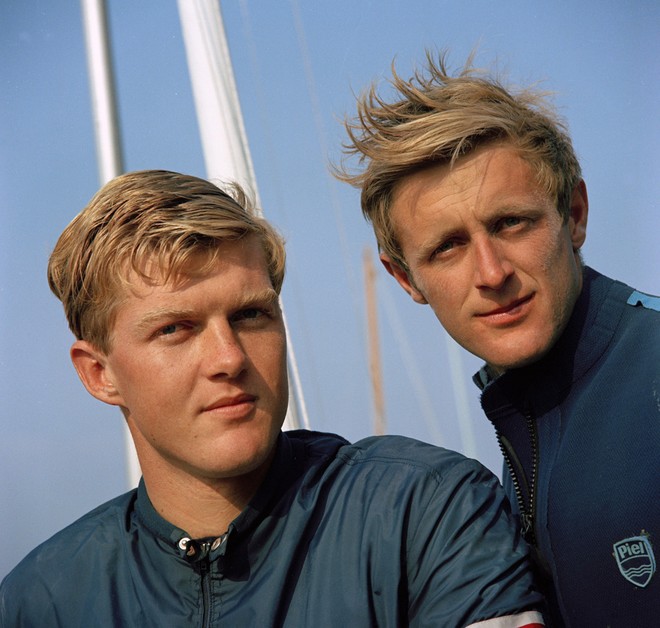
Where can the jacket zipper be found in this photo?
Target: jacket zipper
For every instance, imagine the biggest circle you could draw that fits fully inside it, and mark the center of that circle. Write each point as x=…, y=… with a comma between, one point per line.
x=204, y=568
x=527, y=511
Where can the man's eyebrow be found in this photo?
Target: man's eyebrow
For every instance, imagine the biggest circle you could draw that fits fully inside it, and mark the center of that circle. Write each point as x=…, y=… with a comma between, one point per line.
x=161, y=314
x=524, y=205
x=267, y=296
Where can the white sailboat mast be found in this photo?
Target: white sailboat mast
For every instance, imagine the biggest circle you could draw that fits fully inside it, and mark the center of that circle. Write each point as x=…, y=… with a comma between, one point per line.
x=106, y=131
x=104, y=103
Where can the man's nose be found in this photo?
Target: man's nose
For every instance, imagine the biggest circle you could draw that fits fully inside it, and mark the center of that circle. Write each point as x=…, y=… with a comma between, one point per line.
x=223, y=351
x=492, y=267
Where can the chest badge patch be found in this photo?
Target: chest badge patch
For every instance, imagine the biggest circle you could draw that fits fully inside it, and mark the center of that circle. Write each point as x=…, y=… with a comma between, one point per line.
x=635, y=559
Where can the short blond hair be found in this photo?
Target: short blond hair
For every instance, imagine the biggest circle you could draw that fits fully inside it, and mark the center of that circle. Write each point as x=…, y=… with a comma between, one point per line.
x=172, y=219
x=435, y=118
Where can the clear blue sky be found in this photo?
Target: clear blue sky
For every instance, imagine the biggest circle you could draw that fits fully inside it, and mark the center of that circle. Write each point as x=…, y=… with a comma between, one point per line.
x=297, y=65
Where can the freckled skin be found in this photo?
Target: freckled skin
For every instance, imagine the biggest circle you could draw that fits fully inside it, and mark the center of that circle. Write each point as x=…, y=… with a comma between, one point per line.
x=490, y=253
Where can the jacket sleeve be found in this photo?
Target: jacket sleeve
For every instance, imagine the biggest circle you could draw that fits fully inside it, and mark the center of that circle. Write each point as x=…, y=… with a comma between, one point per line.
x=467, y=562
x=24, y=603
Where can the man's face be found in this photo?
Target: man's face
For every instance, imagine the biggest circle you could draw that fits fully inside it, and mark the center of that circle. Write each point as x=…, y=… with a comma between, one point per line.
x=199, y=367
x=488, y=250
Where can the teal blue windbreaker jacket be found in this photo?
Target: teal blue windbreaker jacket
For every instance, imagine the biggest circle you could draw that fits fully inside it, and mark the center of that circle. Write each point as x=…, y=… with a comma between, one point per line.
x=385, y=532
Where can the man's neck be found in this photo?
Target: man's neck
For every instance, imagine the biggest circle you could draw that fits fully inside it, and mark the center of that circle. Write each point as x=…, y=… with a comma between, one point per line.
x=202, y=507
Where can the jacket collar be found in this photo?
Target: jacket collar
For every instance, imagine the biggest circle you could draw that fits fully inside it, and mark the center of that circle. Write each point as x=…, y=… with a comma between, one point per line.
x=286, y=466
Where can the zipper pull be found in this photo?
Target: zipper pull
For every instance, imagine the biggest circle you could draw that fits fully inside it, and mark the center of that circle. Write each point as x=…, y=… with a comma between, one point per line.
x=527, y=526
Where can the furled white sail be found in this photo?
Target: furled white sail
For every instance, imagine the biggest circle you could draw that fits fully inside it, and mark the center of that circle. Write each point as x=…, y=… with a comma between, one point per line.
x=224, y=141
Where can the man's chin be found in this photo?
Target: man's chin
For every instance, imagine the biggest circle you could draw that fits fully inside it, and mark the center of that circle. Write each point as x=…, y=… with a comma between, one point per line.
x=496, y=368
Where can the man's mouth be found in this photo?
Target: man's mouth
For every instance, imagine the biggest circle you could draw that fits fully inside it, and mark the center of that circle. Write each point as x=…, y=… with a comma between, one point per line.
x=232, y=404
x=512, y=309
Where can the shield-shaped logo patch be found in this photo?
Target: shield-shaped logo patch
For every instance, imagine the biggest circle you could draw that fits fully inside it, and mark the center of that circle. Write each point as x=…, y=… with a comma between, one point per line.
x=635, y=559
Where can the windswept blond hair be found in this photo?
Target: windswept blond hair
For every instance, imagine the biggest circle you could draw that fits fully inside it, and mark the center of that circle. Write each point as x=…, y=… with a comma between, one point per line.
x=435, y=118
x=145, y=222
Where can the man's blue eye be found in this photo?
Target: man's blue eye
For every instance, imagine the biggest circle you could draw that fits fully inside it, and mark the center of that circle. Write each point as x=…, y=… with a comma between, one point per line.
x=444, y=247
x=168, y=329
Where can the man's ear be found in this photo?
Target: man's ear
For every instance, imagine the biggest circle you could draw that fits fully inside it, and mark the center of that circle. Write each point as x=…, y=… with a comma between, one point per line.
x=577, y=218
x=92, y=368
x=403, y=278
